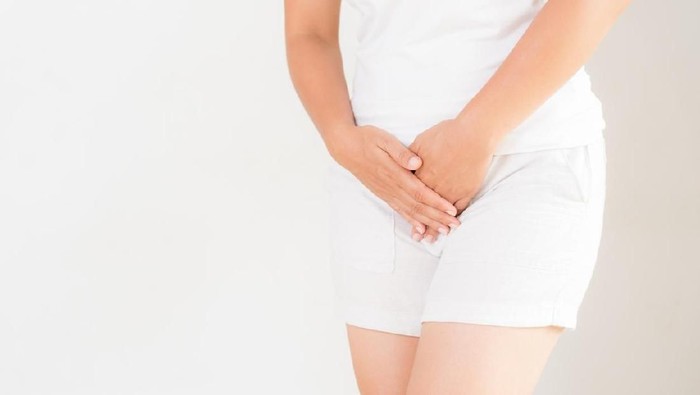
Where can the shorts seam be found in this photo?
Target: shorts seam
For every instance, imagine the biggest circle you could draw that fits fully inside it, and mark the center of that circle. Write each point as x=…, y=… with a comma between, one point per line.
x=559, y=300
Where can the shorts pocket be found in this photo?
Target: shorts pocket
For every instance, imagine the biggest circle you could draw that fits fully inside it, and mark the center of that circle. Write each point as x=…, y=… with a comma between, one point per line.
x=361, y=225
x=578, y=163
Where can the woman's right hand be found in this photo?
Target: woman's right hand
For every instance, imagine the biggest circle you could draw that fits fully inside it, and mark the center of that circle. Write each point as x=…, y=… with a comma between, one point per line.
x=383, y=164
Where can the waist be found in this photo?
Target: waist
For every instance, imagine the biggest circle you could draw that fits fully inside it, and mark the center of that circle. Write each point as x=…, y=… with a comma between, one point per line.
x=394, y=104
x=572, y=114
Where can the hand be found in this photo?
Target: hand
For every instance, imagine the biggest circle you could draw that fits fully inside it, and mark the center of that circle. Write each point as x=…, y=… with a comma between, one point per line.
x=383, y=164
x=455, y=158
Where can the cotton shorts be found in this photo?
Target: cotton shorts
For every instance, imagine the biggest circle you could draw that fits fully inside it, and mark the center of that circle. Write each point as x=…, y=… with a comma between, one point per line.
x=523, y=255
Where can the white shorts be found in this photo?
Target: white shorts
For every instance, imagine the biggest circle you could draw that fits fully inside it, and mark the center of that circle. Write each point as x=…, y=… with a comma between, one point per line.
x=523, y=255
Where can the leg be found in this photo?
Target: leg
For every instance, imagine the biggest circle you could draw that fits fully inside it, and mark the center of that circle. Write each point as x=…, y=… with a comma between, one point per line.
x=382, y=311
x=458, y=358
x=382, y=361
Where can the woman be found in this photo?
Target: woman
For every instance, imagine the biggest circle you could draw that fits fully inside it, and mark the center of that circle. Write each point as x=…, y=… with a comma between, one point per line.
x=467, y=183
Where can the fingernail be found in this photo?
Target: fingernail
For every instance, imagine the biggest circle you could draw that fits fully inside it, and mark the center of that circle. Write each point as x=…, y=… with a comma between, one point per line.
x=429, y=238
x=451, y=211
x=414, y=162
x=442, y=230
x=416, y=237
x=421, y=230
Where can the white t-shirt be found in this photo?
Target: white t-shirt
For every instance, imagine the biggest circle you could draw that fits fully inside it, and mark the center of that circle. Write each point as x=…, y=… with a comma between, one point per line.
x=419, y=62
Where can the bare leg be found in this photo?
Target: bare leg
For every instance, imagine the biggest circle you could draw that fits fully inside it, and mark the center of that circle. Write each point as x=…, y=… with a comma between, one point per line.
x=458, y=358
x=382, y=361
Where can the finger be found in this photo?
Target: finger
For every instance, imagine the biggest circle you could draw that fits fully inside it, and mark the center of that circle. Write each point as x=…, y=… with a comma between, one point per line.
x=417, y=207
x=462, y=204
x=426, y=214
x=430, y=235
x=415, y=235
x=415, y=224
x=383, y=184
x=396, y=182
x=399, y=153
x=417, y=228
x=409, y=213
x=424, y=194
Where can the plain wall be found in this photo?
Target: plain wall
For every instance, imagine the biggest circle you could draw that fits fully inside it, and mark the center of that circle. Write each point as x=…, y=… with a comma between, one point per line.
x=163, y=223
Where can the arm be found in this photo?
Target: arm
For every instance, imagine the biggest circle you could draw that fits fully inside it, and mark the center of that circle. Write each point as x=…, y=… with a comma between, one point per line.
x=375, y=157
x=557, y=43
x=315, y=65
x=457, y=152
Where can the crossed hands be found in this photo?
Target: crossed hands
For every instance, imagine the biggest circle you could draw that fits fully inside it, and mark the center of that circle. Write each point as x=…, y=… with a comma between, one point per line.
x=430, y=182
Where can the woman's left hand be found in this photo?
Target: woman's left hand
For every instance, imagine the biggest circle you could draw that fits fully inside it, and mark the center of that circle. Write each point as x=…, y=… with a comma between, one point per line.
x=455, y=158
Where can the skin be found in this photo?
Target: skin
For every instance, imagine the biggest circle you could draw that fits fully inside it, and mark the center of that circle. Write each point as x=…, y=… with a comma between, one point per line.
x=449, y=357
x=377, y=158
x=458, y=359
x=382, y=361
x=558, y=42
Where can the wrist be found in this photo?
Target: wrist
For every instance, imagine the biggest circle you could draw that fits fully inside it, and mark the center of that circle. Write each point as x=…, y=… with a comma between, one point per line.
x=336, y=142
x=475, y=129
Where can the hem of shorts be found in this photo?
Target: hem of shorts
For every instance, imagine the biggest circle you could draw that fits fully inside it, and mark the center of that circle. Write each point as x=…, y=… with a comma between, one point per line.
x=513, y=315
x=398, y=323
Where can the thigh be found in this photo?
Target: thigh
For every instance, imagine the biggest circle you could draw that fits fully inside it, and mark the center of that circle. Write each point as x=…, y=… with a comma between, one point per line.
x=460, y=358
x=381, y=277
x=381, y=360
x=382, y=313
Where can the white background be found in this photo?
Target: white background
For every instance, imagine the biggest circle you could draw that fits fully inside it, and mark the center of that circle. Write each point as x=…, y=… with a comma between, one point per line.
x=163, y=218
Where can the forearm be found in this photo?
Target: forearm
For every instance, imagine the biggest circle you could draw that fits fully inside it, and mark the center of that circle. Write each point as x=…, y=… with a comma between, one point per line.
x=316, y=70
x=557, y=43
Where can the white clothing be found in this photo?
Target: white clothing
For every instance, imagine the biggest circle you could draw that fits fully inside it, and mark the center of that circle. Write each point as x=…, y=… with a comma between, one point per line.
x=419, y=62
x=522, y=256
